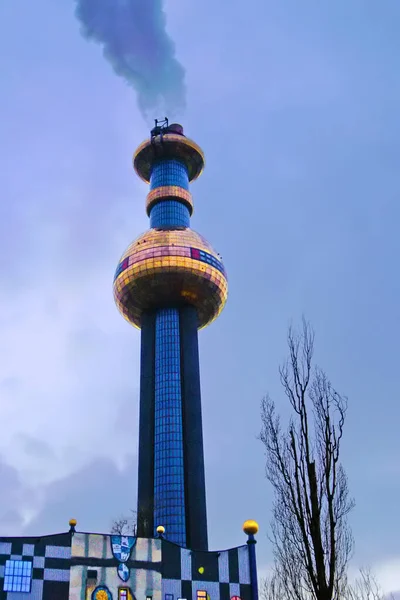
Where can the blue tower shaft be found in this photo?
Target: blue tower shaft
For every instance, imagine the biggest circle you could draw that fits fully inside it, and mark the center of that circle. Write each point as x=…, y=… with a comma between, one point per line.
x=169, y=480
x=171, y=488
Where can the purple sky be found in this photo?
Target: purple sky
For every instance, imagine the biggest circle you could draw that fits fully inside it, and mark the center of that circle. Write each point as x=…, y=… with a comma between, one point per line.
x=296, y=107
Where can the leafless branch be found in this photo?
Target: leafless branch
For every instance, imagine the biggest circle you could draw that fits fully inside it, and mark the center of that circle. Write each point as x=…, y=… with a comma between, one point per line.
x=311, y=539
x=125, y=525
x=365, y=587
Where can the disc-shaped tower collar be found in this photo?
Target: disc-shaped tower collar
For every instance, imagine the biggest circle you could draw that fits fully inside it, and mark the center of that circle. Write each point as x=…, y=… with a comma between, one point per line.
x=169, y=145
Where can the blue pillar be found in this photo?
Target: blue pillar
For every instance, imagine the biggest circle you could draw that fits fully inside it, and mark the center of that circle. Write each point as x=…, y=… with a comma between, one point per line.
x=195, y=486
x=146, y=428
x=169, y=213
x=251, y=542
x=169, y=476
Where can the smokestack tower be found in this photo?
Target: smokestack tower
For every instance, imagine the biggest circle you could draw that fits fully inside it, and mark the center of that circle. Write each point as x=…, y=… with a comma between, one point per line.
x=170, y=283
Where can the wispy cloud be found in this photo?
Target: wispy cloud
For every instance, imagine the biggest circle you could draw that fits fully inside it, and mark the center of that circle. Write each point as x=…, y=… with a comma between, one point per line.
x=388, y=574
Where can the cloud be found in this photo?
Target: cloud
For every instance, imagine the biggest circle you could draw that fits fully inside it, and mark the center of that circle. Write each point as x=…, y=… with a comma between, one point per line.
x=15, y=499
x=38, y=449
x=70, y=367
x=95, y=495
x=388, y=574
x=70, y=363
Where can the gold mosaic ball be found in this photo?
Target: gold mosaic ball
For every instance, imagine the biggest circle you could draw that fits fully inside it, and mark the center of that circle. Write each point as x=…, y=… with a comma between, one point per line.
x=170, y=268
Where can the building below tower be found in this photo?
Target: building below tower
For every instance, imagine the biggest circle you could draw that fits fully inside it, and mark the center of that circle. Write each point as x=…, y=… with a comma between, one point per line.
x=89, y=566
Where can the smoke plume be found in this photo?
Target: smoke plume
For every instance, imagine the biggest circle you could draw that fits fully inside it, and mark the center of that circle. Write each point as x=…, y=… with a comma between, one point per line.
x=135, y=41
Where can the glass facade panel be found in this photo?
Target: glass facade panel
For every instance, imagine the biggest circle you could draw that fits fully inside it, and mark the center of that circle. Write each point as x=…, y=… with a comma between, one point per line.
x=169, y=172
x=17, y=576
x=169, y=493
x=169, y=213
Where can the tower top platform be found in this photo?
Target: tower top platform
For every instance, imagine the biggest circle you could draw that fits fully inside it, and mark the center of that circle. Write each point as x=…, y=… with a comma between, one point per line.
x=168, y=141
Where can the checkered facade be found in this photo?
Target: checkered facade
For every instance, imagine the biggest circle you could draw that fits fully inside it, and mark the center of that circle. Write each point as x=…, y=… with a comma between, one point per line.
x=173, y=572
x=50, y=557
x=194, y=575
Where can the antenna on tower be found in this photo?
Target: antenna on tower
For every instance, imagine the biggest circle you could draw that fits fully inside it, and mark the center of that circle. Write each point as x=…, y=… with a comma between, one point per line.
x=160, y=127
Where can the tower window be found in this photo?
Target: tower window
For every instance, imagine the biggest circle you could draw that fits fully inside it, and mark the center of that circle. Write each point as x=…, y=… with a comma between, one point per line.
x=18, y=576
x=201, y=595
x=123, y=594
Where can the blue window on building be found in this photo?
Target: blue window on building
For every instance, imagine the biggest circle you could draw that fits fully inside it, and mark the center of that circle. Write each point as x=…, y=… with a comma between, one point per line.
x=169, y=172
x=169, y=597
x=169, y=494
x=17, y=576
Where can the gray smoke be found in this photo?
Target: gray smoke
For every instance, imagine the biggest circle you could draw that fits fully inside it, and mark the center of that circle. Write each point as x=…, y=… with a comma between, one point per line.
x=135, y=41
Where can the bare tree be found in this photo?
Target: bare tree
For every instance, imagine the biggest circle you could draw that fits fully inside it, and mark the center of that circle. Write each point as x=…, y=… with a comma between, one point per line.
x=311, y=539
x=125, y=525
x=366, y=587
x=128, y=525
x=271, y=588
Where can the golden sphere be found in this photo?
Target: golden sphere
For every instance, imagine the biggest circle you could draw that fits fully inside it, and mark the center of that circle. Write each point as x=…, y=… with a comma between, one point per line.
x=160, y=529
x=164, y=268
x=72, y=522
x=250, y=527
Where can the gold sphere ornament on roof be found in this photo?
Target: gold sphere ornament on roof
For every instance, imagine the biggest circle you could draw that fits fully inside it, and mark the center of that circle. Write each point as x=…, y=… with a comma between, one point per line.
x=250, y=527
x=160, y=529
x=72, y=522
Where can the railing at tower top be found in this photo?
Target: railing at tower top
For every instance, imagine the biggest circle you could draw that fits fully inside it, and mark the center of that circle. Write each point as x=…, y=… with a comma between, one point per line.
x=162, y=127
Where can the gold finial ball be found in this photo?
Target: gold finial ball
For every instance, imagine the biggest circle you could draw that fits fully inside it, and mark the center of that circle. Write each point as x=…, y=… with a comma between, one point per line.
x=160, y=529
x=250, y=527
x=72, y=522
